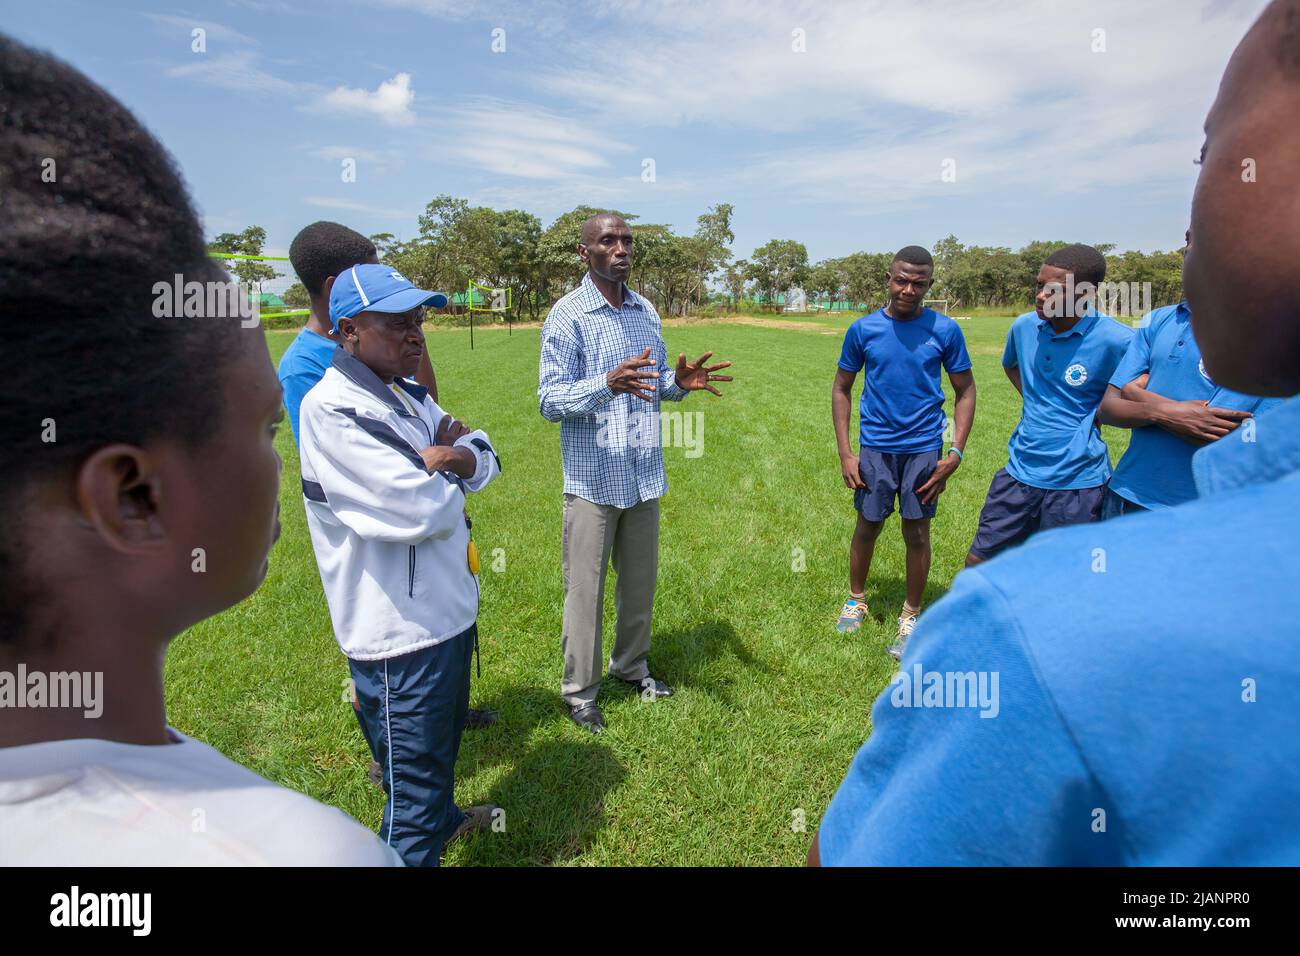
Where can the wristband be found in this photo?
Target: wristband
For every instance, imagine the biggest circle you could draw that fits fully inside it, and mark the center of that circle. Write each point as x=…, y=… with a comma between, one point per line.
x=960, y=456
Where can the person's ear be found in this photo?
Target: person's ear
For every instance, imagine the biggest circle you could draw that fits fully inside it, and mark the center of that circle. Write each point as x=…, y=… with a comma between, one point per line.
x=119, y=493
x=329, y=286
x=583, y=254
x=347, y=330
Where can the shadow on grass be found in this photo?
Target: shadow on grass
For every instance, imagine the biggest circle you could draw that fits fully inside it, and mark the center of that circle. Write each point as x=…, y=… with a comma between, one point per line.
x=554, y=802
x=689, y=657
x=886, y=594
x=554, y=794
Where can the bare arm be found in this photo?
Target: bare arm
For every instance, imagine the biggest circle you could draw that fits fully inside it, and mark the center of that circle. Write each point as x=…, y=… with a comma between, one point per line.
x=841, y=407
x=1194, y=422
x=963, y=416
x=963, y=387
x=1014, y=375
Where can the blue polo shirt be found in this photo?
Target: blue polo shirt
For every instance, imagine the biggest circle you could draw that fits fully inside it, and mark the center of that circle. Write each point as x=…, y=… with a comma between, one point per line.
x=1057, y=444
x=902, y=392
x=1148, y=706
x=1156, y=470
x=303, y=365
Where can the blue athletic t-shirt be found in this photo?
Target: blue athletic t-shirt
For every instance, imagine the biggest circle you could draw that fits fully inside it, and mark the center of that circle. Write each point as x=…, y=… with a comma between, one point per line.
x=1156, y=470
x=1063, y=377
x=902, y=392
x=1146, y=710
x=303, y=365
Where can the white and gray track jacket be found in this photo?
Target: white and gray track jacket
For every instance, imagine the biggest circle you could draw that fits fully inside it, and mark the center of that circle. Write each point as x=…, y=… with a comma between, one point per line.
x=390, y=538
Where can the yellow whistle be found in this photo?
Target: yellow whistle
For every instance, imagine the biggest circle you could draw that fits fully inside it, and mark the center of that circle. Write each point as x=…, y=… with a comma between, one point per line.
x=471, y=555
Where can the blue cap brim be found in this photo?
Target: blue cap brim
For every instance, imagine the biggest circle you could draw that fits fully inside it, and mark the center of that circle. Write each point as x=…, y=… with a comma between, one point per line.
x=402, y=301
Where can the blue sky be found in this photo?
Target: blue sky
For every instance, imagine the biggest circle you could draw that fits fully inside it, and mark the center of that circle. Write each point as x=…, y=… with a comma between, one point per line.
x=841, y=145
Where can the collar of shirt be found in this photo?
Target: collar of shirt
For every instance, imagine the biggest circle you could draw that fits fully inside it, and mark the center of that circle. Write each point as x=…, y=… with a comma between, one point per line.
x=592, y=299
x=360, y=373
x=1081, y=327
x=1269, y=451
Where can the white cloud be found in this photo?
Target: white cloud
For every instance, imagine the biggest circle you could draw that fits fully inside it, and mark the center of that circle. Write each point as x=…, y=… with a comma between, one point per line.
x=214, y=31
x=349, y=205
x=391, y=102
x=513, y=139
x=238, y=72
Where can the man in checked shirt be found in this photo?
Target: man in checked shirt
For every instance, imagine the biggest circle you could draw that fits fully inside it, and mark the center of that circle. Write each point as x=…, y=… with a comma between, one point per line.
x=604, y=370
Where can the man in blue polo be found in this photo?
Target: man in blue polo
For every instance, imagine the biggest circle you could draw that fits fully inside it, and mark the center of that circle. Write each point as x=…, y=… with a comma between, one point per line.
x=1059, y=357
x=1147, y=703
x=1162, y=391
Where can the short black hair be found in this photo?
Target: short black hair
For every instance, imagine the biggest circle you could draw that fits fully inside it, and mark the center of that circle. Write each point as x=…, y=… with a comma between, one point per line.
x=1084, y=262
x=914, y=256
x=326, y=249
x=93, y=213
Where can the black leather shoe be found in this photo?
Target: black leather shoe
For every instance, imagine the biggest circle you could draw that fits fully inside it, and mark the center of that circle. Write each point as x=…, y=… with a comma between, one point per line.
x=481, y=718
x=649, y=687
x=588, y=717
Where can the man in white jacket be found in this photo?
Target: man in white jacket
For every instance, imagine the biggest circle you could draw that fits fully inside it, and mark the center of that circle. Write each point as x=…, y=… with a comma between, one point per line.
x=384, y=475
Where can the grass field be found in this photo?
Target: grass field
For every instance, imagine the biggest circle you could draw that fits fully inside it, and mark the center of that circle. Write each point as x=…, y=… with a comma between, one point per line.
x=770, y=703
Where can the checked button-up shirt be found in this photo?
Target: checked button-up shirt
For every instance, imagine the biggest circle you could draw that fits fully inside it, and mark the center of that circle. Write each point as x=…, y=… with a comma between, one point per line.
x=609, y=442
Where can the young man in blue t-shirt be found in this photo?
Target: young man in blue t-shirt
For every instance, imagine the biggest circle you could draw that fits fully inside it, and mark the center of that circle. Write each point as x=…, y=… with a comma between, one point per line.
x=1059, y=357
x=1162, y=392
x=902, y=348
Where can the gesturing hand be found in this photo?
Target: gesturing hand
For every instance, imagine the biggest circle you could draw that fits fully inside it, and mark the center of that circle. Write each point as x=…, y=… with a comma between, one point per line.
x=449, y=430
x=696, y=375
x=637, y=376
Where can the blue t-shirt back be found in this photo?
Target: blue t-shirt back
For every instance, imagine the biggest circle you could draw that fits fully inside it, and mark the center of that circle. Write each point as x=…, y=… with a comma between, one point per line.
x=1156, y=470
x=902, y=392
x=1063, y=377
x=1144, y=716
x=303, y=365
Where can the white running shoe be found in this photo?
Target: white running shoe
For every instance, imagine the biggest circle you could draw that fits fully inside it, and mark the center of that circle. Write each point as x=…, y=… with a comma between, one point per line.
x=906, y=625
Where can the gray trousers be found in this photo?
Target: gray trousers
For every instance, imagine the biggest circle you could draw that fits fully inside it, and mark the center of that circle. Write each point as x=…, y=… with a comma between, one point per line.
x=593, y=534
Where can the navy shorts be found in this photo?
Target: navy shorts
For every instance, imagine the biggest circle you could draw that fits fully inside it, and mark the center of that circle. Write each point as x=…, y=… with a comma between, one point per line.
x=891, y=476
x=1117, y=505
x=1013, y=511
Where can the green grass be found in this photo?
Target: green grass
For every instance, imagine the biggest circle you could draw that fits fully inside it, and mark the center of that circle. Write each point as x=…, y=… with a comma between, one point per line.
x=770, y=703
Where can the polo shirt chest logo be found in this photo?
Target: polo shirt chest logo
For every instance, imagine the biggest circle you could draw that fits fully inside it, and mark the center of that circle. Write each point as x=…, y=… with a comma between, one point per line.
x=1076, y=375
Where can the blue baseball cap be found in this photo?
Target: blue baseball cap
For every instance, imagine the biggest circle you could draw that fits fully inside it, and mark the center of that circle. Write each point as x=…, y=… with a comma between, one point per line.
x=376, y=288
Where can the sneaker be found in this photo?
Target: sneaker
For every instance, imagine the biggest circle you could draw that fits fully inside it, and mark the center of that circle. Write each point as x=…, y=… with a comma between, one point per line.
x=477, y=819
x=851, y=615
x=480, y=718
x=906, y=625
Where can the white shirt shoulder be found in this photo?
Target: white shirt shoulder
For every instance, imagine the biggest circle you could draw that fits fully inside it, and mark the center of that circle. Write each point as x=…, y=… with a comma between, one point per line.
x=101, y=803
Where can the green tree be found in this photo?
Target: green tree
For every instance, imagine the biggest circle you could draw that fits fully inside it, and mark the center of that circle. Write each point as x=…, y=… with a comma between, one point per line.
x=251, y=273
x=295, y=297
x=778, y=266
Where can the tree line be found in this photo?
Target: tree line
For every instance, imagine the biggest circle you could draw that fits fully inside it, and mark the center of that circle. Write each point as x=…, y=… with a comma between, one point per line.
x=696, y=272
